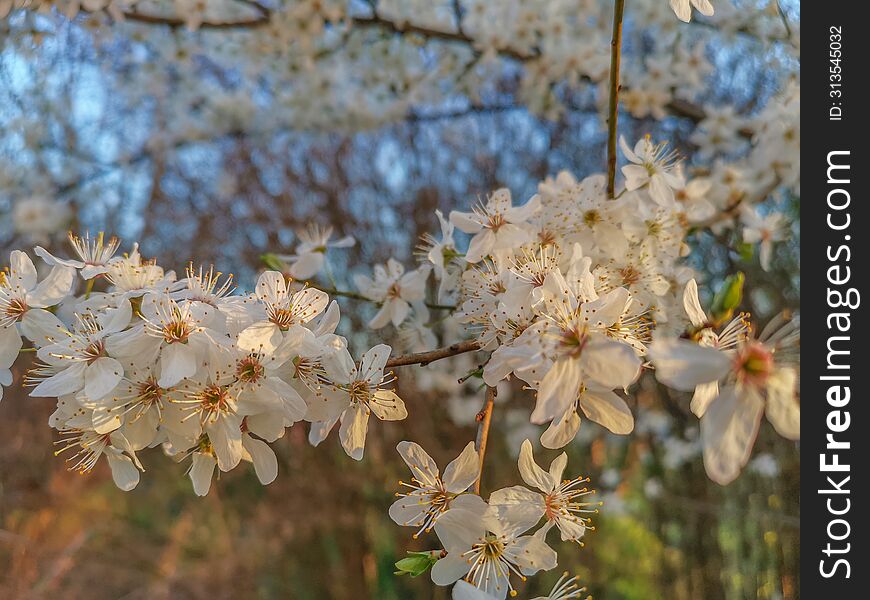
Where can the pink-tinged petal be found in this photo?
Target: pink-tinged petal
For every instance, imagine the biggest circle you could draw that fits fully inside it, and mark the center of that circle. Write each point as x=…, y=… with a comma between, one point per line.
x=481, y=245
x=684, y=365
x=102, y=376
x=531, y=473
x=692, y=305
x=271, y=287
x=558, y=390
x=421, y=464
x=177, y=362
x=467, y=222
x=608, y=410
x=21, y=270
x=463, y=470
x=353, y=430
x=728, y=431
x=201, y=472
x=783, y=406
x=54, y=288
x=263, y=337
x=265, y=462
x=562, y=430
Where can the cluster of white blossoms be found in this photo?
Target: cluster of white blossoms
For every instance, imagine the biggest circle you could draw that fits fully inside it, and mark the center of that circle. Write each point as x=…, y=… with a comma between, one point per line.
x=572, y=293
x=183, y=363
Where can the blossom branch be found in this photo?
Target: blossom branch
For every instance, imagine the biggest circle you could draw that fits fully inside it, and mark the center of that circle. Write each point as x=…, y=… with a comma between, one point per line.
x=613, y=103
x=484, y=419
x=424, y=358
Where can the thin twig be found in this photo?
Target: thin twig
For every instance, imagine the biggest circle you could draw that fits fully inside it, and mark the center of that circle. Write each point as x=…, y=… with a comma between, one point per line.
x=484, y=418
x=424, y=358
x=613, y=104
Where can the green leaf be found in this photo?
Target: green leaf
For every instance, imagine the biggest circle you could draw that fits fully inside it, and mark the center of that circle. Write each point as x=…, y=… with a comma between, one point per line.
x=416, y=563
x=728, y=298
x=273, y=262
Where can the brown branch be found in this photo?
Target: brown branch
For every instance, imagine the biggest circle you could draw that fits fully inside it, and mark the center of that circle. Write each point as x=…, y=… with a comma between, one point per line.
x=484, y=419
x=613, y=103
x=424, y=358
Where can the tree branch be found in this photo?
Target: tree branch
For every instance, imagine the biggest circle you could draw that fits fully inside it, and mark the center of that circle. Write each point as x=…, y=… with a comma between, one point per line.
x=263, y=16
x=424, y=358
x=613, y=103
x=484, y=419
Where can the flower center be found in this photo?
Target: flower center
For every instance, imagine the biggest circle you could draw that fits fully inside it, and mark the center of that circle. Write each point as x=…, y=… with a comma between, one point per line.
x=359, y=391
x=176, y=331
x=282, y=317
x=495, y=221
x=249, y=370
x=629, y=275
x=150, y=393
x=94, y=351
x=754, y=364
x=13, y=310
x=591, y=217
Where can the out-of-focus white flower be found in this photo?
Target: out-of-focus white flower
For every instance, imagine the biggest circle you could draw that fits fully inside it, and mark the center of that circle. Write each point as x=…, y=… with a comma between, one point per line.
x=39, y=217
x=683, y=8
x=762, y=230
x=314, y=242
x=394, y=290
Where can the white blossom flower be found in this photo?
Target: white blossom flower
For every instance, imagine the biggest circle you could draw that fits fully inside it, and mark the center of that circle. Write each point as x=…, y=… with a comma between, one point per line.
x=394, y=290
x=496, y=225
x=751, y=382
x=654, y=166
x=486, y=549
x=285, y=313
x=429, y=494
x=762, y=230
x=94, y=255
x=310, y=256
x=23, y=300
x=560, y=502
x=356, y=392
